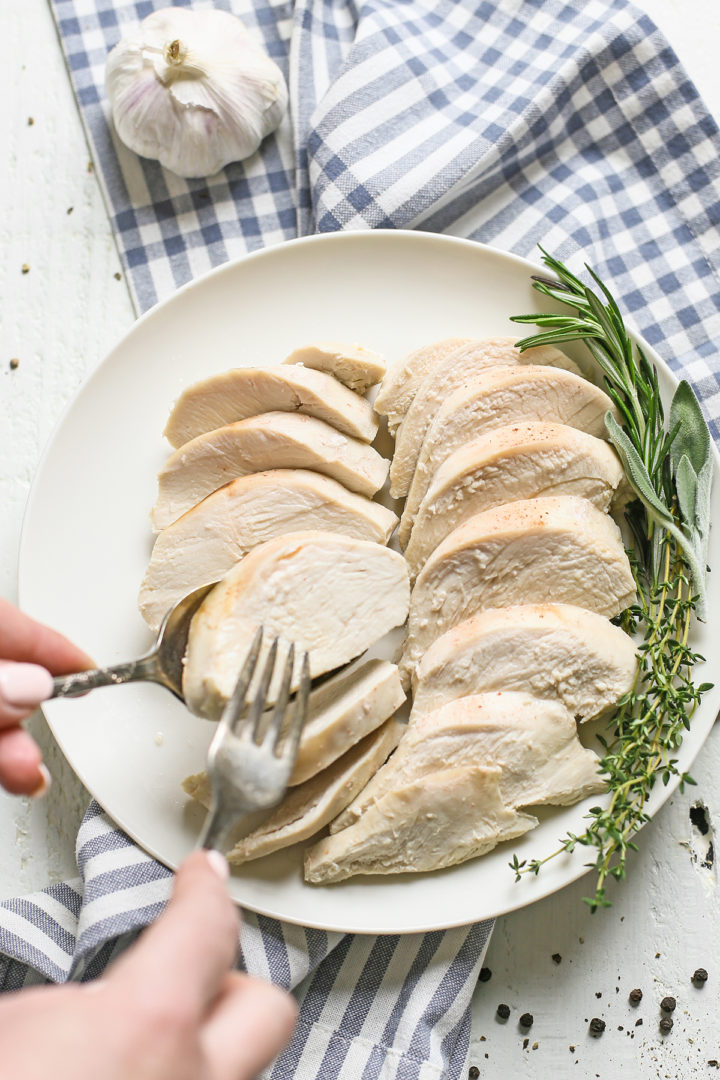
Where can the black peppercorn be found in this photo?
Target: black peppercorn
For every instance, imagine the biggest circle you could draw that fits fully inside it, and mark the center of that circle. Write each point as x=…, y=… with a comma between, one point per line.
x=700, y=976
x=556, y=958
x=485, y=975
x=668, y=1004
x=473, y=1072
x=636, y=996
x=503, y=1011
x=597, y=1026
x=526, y=1020
x=666, y=1025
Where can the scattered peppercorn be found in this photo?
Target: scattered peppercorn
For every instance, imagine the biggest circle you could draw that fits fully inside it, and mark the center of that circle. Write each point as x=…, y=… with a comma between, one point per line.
x=24, y=269
x=557, y=958
x=503, y=1011
x=117, y=275
x=485, y=975
x=90, y=167
x=535, y=1046
x=14, y=364
x=598, y=993
x=526, y=1043
x=69, y=209
x=571, y=1049
x=700, y=976
x=473, y=1072
x=638, y=1023
x=668, y=1004
x=527, y=1020
x=635, y=996
x=713, y=1063
x=597, y=1026
x=666, y=1025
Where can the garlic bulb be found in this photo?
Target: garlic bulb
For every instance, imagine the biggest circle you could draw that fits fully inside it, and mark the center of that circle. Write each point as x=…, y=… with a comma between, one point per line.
x=193, y=90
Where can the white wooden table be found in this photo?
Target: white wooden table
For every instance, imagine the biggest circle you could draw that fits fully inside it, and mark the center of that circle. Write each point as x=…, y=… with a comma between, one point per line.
x=58, y=320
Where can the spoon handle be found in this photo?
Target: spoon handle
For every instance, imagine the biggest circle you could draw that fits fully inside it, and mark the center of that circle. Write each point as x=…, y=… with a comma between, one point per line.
x=81, y=681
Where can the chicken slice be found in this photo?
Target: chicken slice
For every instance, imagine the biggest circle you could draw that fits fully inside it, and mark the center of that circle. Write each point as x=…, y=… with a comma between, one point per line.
x=550, y=650
x=274, y=440
x=529, y=552
x=358, y=368
x=310, y=806
x=202, y=545
x=402, y=380
x=461, y=368
x=234, y=395
x=332, y=595
x=444, y=818
x=343, y=711
x=501, y=397
x=533, y=741
x=522, y=461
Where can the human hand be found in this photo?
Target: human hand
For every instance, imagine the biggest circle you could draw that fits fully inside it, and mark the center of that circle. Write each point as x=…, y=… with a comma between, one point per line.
x=30, y=654
x=169, y=1009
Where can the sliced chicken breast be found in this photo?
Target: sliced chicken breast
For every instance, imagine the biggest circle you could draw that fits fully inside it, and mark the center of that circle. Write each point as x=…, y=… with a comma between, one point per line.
x=308, y=808
x=358, y=368
x=234, y=395
x=202, y=545
x=445, y=818
x=274, y=440
x=332, y=595
x=521, y=461
x=403, y=378
x=343, y=711
x=459, y=369
x=533, y=741
x=502, y=397
x=535, y=551
x=553, y=651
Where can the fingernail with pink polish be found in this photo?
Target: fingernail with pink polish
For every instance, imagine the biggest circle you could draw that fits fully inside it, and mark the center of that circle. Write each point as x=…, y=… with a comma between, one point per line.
x=24, y=685
x=44, y=786
x=219, y=864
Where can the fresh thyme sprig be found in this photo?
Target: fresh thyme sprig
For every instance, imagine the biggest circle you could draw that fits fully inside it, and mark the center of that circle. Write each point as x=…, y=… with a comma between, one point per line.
x=670, y=471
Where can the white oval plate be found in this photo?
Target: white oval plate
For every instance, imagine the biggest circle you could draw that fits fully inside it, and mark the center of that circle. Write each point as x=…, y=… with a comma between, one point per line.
x=86, y=541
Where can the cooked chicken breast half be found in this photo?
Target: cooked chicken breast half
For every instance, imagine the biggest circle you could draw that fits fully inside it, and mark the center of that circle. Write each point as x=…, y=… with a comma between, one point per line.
x=444, y=818
x=343, y=711
x=308, y=808
x=403, y=378
x=535, y=551
x=331, y=595
x=522, y=461
x=533, y=741
x=459, y=369
x=274, y=440
x=550, y=650
x=234, y=395
x=202, y=545
x=358, y=368
x=501, y=397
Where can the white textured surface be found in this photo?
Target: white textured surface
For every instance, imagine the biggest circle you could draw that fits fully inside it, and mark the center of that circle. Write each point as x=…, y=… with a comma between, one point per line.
x=59, y=319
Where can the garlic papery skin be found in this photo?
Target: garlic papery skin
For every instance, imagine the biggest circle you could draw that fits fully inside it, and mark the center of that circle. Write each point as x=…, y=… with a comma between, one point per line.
x=193, y=90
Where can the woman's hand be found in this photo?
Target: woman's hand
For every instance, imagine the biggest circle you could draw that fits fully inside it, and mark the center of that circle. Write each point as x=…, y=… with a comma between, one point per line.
x=30, y=654
x=169, y=1009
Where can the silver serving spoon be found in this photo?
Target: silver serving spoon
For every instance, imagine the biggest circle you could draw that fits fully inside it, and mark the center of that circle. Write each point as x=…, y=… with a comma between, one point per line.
x=163, y=664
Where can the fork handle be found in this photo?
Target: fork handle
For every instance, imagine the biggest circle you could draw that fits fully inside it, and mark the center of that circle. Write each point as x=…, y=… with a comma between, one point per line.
x=80, y=682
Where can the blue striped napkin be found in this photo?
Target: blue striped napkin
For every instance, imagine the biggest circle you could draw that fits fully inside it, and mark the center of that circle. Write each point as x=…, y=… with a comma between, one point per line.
x=508, y=121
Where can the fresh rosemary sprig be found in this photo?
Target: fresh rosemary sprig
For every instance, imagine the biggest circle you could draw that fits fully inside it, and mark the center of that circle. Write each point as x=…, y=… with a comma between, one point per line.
x=670, y=471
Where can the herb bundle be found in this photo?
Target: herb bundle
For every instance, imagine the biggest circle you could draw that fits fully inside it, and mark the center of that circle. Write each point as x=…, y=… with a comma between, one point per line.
x=670, y=471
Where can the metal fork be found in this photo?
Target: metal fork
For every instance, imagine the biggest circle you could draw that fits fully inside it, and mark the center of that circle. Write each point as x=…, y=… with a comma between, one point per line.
x=250, y=757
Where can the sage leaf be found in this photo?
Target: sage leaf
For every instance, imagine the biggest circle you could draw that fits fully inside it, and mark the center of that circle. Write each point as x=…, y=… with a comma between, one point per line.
x=692, y=437
x=636, y=472
x=686, y=485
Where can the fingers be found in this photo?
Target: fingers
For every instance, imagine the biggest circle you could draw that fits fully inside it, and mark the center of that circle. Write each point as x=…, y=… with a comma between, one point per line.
x=249, y=1026
x=21, y=638
x=22, y=688
x=21, y=768
x=185, y=955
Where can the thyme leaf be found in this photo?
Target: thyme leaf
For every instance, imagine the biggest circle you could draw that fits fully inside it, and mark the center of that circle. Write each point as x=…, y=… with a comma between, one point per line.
x=669, y=468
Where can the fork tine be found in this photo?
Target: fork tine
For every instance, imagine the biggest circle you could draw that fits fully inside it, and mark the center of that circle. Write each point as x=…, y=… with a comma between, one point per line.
x=274, y=728
x=258, y=705
x=236, y=705
x=289, y=742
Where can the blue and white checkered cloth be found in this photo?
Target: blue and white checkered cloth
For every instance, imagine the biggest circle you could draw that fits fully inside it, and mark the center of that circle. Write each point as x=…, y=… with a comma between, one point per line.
x=508, y=121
